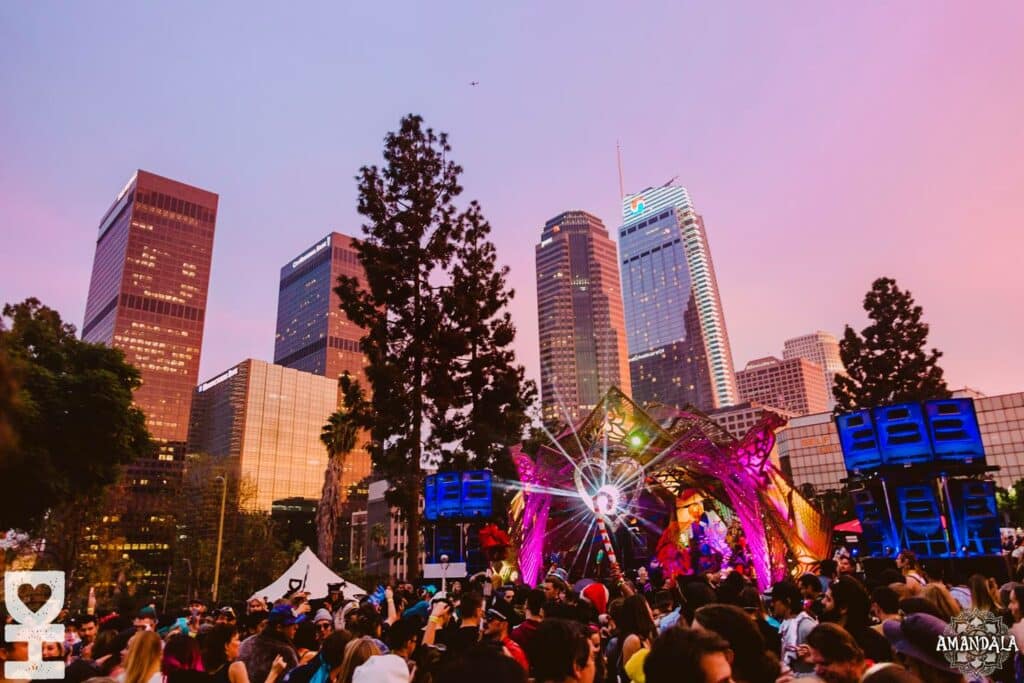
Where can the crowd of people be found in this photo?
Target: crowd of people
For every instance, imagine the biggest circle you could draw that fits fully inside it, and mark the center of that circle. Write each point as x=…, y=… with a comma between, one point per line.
x=833, y=626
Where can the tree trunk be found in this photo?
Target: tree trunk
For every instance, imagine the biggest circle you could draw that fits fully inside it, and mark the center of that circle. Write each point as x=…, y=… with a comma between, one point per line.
x=412, y=529
x=327, y=511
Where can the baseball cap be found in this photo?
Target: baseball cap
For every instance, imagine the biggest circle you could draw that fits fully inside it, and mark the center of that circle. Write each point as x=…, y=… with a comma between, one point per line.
x=282, y=615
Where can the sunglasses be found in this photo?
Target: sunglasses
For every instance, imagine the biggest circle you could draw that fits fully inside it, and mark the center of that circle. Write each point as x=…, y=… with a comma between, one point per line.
x=325, y=626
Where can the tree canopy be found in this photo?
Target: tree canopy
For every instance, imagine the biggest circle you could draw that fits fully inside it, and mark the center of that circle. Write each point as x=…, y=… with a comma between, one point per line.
x=73, y=421
x=887, y=362
x=444, y=383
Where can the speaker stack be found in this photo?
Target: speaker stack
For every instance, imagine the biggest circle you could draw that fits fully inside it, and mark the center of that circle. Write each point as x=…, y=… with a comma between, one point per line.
x=916, y=474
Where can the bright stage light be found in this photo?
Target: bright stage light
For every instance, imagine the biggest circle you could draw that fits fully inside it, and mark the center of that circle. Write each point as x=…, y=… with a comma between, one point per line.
x=606, y=499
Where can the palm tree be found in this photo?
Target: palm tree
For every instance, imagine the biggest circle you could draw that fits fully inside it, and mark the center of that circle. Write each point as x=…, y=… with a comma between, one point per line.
x=339, y=437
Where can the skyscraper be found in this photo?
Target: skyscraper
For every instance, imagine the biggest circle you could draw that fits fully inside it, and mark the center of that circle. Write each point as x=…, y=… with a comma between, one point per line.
x=796, y=385
x=579, y=308
x=147, y=297
x=679, y=350
x=265, y=421
x=314, y=334
x=821, y=348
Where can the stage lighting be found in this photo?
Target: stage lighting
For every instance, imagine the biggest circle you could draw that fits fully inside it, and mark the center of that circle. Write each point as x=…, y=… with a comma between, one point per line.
x=606, y=499
x=636, y=439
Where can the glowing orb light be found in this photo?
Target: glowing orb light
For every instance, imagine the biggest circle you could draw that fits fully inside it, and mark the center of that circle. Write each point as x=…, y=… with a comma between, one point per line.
x=606, y=499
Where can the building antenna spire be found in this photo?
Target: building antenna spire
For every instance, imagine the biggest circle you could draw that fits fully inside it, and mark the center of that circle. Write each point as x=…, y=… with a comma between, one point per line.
x=618, y=157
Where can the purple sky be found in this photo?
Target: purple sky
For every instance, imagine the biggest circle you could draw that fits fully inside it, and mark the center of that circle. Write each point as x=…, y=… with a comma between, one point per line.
x=825, y=143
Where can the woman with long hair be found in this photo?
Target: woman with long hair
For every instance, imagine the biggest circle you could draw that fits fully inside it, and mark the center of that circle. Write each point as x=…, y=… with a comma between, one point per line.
x=982, y=596
x=1017, y=629
x=908, y=565
x=220, y=655
x=142, y=665
x=636, y=632
x=939, y=595
x=356, y=654
x=751, y=662
x=182, y=662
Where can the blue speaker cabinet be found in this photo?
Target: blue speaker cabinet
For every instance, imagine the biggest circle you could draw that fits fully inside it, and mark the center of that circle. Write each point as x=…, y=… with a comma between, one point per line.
x=449, y=495
x=921, y=520
x=477, y=497
x=430, y=498
x=902, y=435
x=874, y=521
x=859, y=441
x=954, y=432
x=974, y=507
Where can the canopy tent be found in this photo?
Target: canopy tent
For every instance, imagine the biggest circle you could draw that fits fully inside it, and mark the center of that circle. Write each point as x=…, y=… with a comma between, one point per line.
x=309, y=574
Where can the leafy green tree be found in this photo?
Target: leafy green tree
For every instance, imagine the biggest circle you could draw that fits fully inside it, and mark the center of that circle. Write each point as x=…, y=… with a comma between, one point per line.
x=489, y=395
x=1010, y=503
x=73, y=421
x=339, y=437
x=411, y=231
x=887, y=362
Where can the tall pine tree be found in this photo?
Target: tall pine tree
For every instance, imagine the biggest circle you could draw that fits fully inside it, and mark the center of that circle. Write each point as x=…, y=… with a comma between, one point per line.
x=411, y=230
x=489, y=393
x=887, y=362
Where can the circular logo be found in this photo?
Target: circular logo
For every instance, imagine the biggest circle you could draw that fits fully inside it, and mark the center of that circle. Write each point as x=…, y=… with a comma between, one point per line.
x=976, y=643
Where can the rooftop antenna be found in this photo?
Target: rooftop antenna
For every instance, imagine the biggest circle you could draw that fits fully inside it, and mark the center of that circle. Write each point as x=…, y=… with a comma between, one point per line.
x=618, y=156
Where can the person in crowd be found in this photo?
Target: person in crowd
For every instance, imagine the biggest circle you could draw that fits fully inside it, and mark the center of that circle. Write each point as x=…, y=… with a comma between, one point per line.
x=835, y=655
x=885, y=605
x=496, y=630
x=226, y=615
x=323, y=625
x=556, y=585
x=142, y=664
x=393, y=667
x=939, y=595
x=366, y=621
x=915, y=641
x=845, y=566
x=750, y=601
x=220, y=655
x=471, y=613
x=524, y=632
x=795, y=623
x=182, y=661
x=482, y=663
x=327, y=660
x=690, y=655
x=146, y=619
x=561, y=653
x=907, y=563
x=1016, y=607
x=357, y=652
x=827, y=573
x=848, y=604
x=810, y=590
x=274, y=641
x=984, y=594
x=87, y=630
x=636, y=632
x=751, y=662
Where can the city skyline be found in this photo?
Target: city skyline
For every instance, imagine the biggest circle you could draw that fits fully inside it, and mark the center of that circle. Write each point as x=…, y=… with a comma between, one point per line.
x=820, y=174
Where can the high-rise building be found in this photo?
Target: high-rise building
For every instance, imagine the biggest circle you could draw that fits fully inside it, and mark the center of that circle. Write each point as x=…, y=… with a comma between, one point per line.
x=579, y=308
x=264, y=421
x=679, y=350
x=147, y=297
x=822, y=349
x=795, y=385
x=314, y=334
x=741, y=418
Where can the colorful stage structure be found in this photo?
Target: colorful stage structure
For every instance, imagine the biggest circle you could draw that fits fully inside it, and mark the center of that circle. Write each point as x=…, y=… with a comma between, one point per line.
x=643, y=472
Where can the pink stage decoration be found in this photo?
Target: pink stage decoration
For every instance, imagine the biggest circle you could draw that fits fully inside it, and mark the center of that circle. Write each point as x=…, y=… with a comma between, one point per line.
x=653, y=457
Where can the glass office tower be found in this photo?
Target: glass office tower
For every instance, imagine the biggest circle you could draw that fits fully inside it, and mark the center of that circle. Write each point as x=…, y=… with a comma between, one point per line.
x=678, y=345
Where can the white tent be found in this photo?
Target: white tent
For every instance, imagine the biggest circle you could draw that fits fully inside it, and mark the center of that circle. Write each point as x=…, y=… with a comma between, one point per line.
x=309, y=574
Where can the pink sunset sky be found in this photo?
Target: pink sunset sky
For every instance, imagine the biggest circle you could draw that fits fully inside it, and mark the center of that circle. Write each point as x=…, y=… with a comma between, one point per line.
x=826, y=144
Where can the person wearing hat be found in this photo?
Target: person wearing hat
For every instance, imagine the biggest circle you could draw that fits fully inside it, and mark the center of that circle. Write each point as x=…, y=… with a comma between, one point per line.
x=323, y=625
x=393, y=667
x=226, y=615
x=795, y=624
x=275, y=640
x=496, y=629
x=556, y=584
x=915, y=640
